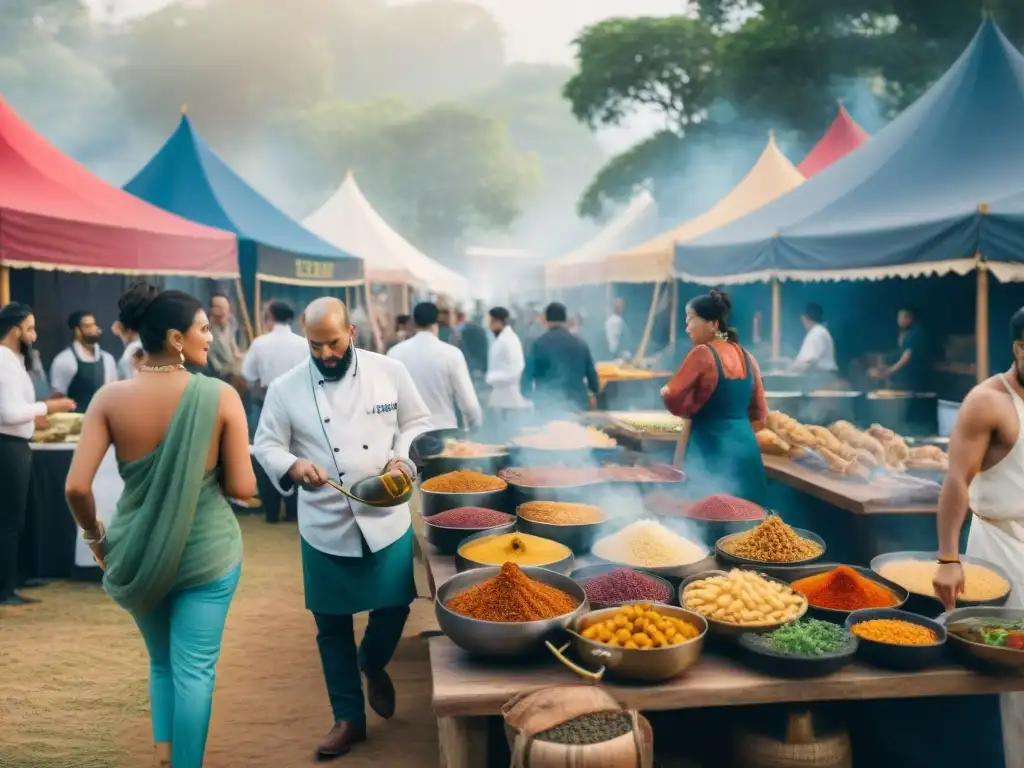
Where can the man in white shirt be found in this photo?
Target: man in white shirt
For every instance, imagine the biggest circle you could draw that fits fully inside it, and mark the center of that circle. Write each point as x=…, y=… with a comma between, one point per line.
x=133, y=353
x=271, y=356
x=616, y=332
x=505, y=364
x=817, y=356
x=439, y=371
x=347, y=415
x=81, y=369
x=19, y=413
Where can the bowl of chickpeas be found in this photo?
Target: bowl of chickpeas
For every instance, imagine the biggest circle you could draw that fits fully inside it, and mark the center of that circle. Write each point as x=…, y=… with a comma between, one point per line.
x=640, y=641
x=738, y=601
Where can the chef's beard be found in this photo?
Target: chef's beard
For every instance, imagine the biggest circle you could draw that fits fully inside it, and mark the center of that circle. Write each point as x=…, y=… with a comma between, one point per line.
x=335, y=372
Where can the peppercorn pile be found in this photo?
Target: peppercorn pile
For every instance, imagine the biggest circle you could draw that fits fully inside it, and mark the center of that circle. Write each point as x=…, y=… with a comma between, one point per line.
x=843, y=589
x=771, y=542
x=894, y=632
x=624, y=585
x=560, y=513
x=592, y=728
x=469, y=517
x=807, y=637
x=511, y=595
x=464, y=481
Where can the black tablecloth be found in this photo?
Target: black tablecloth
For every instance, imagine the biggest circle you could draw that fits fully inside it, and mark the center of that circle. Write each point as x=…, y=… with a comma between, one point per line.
x=47, y=546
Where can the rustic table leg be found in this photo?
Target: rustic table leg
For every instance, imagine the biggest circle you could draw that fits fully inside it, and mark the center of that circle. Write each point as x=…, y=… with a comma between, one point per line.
x=463, y=742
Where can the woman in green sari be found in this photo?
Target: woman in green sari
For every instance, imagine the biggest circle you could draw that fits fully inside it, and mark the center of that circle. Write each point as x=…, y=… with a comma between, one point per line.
x=172, y=554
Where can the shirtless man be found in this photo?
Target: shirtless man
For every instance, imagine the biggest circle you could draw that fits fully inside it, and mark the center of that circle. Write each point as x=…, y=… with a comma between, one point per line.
x=986, y=475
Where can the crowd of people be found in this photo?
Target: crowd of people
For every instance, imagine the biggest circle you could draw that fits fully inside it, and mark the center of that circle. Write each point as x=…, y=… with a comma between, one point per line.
x=323, y=411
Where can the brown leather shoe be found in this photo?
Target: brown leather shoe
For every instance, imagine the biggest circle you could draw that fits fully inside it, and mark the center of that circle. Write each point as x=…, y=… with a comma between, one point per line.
x=341, y=739
x=380, y=692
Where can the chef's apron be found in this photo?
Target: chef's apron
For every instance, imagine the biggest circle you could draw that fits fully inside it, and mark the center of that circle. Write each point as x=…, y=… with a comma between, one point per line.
x=89, y=378
x=348, y=585
x=997, y=535
x=722, y=454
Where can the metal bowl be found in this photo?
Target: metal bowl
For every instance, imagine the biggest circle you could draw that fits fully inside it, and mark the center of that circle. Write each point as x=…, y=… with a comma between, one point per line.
x=834, y=615
x=726, y=629
x=929, y=604
x=651, y=666
x=563, y=565
x=433, y=502
x=440, y=464
x=735, y=561
x=580, y=575
x=903, y=657
x=504, y=639
x=579, y=537
x=987, y=658
x=448, y=540
x=769, y=661
x=672, y=573
x=527, y=456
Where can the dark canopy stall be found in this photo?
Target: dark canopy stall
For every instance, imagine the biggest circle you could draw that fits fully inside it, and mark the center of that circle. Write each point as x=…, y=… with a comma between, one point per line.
x=188, y=178
x=913, y=200
x=56, y=217
x=939, y=190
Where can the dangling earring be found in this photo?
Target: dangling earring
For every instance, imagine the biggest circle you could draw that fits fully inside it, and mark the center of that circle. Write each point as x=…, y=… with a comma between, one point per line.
x=181, y=354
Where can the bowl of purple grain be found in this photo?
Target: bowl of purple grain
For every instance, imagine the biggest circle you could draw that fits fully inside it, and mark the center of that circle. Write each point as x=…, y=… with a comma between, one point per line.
x=447, y=530
x=609, y=586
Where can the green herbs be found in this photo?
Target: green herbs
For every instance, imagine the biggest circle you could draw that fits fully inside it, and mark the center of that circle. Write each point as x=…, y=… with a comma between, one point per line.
x=808, y=637
x=589, y=729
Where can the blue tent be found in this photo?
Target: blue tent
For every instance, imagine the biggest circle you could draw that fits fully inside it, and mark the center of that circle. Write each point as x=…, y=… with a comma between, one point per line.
x=187, y=177
x=941, y=184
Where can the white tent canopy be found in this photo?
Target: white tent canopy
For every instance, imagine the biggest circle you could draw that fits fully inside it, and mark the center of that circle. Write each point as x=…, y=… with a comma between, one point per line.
x=772, y=176
x=584, y=266
x=349, y=222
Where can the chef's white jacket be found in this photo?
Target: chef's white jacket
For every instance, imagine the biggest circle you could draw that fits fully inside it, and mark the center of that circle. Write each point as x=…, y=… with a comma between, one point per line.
x=351, y=428
x=818, y=351
x=505, y=364
x=272, y=355
x=442, y=379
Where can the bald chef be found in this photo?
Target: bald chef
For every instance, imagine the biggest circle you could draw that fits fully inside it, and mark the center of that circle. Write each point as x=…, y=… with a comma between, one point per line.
x=346, y=415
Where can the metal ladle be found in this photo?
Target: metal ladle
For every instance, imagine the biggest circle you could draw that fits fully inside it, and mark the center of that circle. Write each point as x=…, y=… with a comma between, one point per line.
x=384, y=490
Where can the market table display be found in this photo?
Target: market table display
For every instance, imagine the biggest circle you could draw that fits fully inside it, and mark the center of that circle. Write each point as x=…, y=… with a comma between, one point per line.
x=51, y=543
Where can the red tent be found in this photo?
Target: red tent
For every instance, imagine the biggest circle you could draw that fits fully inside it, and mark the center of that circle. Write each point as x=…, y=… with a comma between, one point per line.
x=841, y=138
x=56, y=215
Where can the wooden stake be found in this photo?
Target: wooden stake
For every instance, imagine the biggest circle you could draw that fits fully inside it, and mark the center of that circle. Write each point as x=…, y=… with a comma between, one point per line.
x=256, y=300
x=776, y=319
x=981, y=323
x=650, y=325
x=5, y=285
x=244, y=309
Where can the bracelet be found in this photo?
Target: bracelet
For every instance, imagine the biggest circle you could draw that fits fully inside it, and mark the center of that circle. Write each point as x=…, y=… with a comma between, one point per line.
x=96, y=538
x=949, y=560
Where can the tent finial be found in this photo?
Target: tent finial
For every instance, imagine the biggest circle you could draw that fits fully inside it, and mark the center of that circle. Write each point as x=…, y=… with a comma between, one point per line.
x=771, y=134
x=184, y=109
x=986, y=11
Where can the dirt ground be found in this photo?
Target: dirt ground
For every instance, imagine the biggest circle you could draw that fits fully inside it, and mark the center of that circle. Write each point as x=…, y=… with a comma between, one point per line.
x=73, y=678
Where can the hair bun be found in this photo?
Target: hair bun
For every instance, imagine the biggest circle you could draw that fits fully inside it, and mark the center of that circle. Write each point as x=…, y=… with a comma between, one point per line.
x=134, y=304
x=721, y=299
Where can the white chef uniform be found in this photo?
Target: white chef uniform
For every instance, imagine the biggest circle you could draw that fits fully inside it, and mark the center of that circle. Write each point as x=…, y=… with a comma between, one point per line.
x=505, y=364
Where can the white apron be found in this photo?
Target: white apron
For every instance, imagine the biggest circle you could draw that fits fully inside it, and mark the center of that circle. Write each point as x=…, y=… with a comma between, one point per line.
x=997, y=535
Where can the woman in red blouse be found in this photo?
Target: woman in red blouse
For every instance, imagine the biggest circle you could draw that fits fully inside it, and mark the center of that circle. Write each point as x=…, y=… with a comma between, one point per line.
x=719, y=388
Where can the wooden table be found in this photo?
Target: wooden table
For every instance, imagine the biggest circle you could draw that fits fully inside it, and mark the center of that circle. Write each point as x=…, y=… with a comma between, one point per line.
x=854, y=497
x=467, y=691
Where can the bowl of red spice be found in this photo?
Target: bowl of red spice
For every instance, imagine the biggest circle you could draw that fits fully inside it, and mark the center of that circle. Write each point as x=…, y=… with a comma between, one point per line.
x=712, y=516
x=447, y=530
x=463, y=488
x=833, y=591
x=608, y=586
x=507, y=612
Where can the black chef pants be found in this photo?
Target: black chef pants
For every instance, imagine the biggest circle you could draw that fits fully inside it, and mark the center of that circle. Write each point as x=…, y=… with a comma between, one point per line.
x=271, y=499
x=15, y=478
x=342, y=662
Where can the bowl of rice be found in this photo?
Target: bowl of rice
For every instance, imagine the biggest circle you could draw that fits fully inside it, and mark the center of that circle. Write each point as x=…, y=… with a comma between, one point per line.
x=654, y=548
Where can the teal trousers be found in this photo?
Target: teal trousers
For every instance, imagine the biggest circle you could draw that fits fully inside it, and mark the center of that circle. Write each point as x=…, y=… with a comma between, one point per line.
x=183, y=636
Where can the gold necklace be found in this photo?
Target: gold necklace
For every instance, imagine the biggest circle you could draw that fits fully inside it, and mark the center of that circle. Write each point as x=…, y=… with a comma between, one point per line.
x=162, y=368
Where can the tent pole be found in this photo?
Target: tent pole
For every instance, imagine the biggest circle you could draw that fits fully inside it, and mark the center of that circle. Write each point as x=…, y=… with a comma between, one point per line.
x=5, y=285
x=256, y=301
x=650, y=325
x=244, y=309
x=776, y=319
x=406, y=299
x=372, y=318
x=610, y=297
x=673, y=320
x=981, y=323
